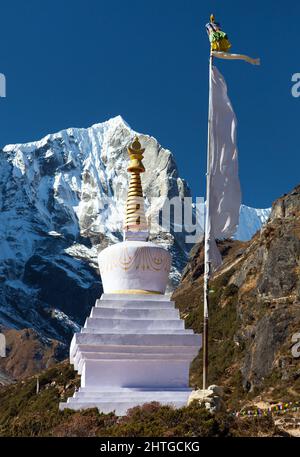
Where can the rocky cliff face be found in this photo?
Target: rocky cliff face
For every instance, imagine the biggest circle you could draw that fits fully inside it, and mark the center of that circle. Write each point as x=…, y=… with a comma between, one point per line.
x=255, y=307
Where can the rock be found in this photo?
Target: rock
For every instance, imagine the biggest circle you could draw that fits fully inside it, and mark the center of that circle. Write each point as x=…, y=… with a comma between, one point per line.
x=217, y=390
x=199, y=395
x=209, y=397
x=217, y=405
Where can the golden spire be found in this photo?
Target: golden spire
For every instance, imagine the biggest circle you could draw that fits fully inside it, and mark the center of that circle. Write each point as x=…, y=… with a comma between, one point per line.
x=135, y=219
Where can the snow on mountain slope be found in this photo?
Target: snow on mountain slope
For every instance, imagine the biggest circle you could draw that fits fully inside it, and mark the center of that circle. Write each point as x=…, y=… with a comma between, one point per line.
x=61, y=202
x=54, y=219
x=251, y=220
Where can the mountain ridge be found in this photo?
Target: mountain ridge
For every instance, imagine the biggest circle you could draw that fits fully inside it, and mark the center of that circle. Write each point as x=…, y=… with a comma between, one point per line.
x=53, y=222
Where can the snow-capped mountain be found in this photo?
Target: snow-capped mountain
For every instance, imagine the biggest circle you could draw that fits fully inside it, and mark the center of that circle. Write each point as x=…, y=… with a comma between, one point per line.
x=251, y=220
x=61, y=202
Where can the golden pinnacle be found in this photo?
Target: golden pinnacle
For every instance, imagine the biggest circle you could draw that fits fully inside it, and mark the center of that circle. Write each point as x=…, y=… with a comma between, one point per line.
x=136, y=147
x=135, y=152
x=135, y=214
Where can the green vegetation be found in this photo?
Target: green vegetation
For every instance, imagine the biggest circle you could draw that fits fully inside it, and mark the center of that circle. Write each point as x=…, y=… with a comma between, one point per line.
x=223, y=322
x=149, y=420
x=250, y=326
x=23, y=412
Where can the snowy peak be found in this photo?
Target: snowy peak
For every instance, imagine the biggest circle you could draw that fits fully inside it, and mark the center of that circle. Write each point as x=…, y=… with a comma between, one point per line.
x=55, y=217
x=61, y=202
x=251, y=220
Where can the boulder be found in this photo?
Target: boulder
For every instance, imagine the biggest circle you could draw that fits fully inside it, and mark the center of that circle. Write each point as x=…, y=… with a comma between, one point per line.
x=211, y=398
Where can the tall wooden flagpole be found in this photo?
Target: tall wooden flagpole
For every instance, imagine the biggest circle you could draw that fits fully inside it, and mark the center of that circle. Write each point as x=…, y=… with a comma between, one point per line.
x=206, y=238
x=227, y=179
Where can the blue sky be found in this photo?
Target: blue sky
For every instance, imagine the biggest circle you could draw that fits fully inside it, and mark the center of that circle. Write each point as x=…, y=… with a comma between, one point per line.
x=72, y=63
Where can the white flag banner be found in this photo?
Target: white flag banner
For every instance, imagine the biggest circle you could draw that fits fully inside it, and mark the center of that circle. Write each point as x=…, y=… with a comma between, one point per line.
x=229, y=56
x=224, y=186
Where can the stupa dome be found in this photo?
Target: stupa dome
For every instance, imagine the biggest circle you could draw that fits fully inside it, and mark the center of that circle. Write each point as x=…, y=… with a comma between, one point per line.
x=134, y=267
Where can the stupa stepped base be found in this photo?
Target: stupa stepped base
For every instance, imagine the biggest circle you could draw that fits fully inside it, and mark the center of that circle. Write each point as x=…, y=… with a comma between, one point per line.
x=123, y=399
x=133, y=349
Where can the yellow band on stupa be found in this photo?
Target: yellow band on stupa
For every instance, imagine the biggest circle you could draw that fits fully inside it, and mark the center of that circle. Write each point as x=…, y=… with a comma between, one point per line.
x=134, y=292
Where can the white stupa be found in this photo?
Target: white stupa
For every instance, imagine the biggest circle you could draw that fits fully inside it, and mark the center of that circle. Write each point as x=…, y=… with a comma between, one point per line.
x=134, y=348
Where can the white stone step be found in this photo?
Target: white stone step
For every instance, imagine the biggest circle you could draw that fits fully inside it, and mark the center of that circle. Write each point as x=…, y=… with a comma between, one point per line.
x=133, y=324
x=83, y=356
x=134, y=339
x=129, y=395
x=166, y=356
x=136, y=304
x=137, y=331
x=138, y=389
x=139, y=350
x=135, y=313
x=186, y=345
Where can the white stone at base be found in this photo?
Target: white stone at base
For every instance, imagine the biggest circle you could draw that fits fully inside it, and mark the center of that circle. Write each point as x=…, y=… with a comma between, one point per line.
x=133, y=349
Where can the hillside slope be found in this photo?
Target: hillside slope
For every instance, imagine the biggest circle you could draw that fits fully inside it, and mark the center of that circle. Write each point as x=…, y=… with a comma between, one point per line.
x=28, y=353
x=254, y=309
x=24, y=412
